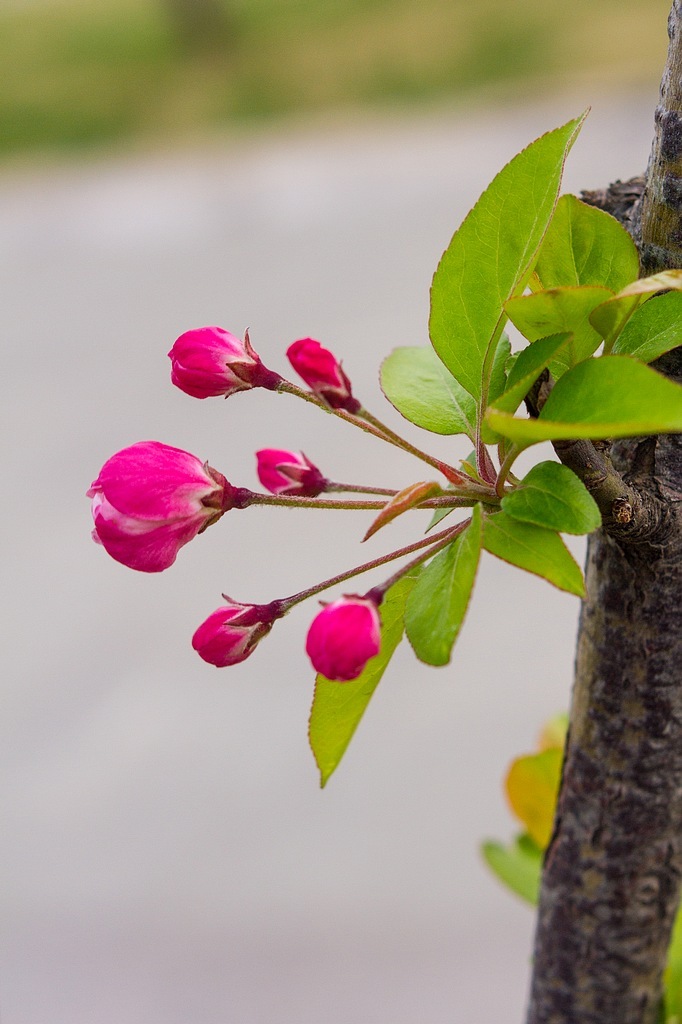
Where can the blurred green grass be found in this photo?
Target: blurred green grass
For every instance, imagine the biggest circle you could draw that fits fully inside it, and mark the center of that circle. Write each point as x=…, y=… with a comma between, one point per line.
x=83, y=73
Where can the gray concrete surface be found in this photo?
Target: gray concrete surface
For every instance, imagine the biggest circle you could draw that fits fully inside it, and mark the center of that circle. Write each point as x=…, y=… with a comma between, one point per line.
x=167, y=855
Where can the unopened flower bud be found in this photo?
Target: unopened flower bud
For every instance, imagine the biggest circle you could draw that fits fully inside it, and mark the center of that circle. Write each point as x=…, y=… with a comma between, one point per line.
x=151, y=499
x=344, y=636
x=230, y=634
x=323, y=374
x=283, y=472
x=210, y=361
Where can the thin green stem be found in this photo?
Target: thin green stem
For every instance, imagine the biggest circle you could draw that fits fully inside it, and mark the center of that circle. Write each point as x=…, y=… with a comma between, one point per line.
x=365, y=421
x=437, y=541
x=447, y=537
x=446, y=500
x=448, y=471
x=510, y=458
x=336, y=488
x=298, y=501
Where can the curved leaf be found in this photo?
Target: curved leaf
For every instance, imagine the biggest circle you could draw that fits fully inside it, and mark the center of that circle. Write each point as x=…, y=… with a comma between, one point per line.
x=655, y=328
x=613, y=396
x=528, y=366
x=403, y=501
x=611, y=317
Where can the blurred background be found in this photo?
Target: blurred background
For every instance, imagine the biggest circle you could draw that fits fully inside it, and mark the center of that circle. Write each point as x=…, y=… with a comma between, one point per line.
x=297, y=168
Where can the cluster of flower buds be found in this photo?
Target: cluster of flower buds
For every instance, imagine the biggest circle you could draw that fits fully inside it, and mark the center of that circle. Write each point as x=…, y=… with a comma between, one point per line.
x=151, y=499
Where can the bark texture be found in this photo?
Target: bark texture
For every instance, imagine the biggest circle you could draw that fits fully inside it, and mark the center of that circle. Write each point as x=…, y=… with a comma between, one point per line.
x=613, y=868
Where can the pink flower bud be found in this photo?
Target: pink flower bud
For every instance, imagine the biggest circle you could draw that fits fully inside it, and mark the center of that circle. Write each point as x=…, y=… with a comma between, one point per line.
x=210, y=361
x=323, y=374
x=150, y=499
x=230, y=634
x=344, y=636
x=282, y=472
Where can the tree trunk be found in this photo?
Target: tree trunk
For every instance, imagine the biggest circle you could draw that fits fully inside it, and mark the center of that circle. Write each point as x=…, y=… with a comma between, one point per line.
x=612, y=873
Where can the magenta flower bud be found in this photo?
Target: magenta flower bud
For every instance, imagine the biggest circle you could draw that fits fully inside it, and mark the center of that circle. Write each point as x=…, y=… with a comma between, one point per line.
x=344, y=636
x=282, y=472
x=323, y=374
x=210, y=361
x=230, y=634
x=150, y=499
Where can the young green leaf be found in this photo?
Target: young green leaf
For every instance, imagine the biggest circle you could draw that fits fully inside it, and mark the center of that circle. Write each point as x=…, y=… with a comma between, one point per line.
x=518, y=866
x=437, y=605
x=614, y=396
x=551, y=495
x=534, y=549
x=491, y=256
x=403, y=501
x=556, y=311
x=610, y=318
x=586, y=246
x=338, y=707
x=419, y=386
x=528, y=366
x=655, y=328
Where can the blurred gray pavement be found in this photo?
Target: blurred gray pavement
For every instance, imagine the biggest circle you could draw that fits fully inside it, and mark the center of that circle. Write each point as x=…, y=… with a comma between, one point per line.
x=167, y=856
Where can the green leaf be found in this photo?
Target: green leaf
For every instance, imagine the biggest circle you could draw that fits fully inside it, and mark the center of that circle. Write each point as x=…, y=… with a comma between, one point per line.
x=518, y=866
x=613, y=396
x=420, y=387
x=437, y=605
x=491, y=256
x=527, y=367
x=655, y=328
x=551, y=495
x=338, y=707
x=586, y=246
x=556, y=311
x=534, y=549
x=611, y=317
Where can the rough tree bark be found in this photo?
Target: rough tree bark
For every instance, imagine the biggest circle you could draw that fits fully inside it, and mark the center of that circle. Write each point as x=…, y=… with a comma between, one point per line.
x=612, y=873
